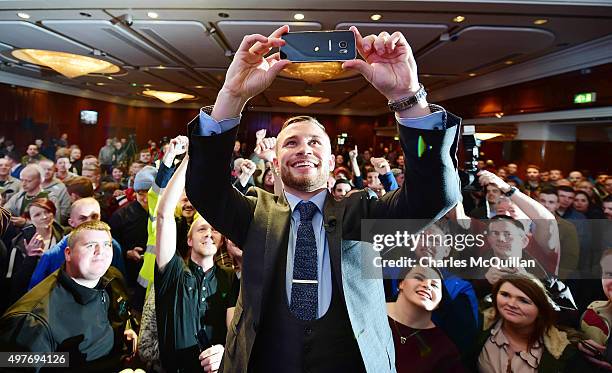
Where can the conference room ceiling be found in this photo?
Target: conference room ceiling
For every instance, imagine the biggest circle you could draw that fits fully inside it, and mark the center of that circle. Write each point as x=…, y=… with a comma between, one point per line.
x=188, y=47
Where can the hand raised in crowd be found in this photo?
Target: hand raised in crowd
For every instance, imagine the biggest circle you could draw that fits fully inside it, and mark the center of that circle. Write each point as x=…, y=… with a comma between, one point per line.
x=486, y=177
x=176, y=147
x=247, y=167
x=135, y=254
x=250, y=73
x=266, y=148
x=210, y=359
x=381, y=165
x=35, y=246
x=389, y=65
x=353, y=154
x=260, y=134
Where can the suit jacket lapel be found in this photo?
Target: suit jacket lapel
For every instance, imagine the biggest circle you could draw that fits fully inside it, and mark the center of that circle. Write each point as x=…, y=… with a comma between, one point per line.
x=277, y=238
x=332, y=221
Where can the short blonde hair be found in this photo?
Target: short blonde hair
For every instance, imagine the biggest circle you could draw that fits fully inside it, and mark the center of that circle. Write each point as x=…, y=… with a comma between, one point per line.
x=92, y=225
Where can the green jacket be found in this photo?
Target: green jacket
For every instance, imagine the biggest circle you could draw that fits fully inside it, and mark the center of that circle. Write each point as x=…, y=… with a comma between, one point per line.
x=60, y=315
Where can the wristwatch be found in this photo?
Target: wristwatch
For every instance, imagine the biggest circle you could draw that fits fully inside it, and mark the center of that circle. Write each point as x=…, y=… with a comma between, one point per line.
x=510, y=192
x=408, y=102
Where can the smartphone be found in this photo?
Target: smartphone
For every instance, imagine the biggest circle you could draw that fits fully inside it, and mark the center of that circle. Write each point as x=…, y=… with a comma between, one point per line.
x=318, y=46
x=202, y=338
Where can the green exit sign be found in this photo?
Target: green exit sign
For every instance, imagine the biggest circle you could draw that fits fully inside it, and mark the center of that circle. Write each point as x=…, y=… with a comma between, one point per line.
x=584, y=98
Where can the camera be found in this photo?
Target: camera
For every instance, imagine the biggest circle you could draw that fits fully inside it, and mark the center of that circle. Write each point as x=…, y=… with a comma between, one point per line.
x=343, y=44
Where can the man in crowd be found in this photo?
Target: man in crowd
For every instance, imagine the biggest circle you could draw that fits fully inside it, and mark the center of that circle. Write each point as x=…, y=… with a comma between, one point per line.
x=8, y=184
x=32, y=155
x=341, y=188
x=81, y=211
x=80, y=309
x=571, y=255
x=75, y=160
x=566, y=200
x=197, y=297
x=532, y=186
x=555, y=176
x=489, y=208
x=79, y=187
x=106, y=156
x=575, y=177
x=56, y=187
x=293, y=272
x=513, y=174
x=62, y=168
x=15, y=164
x=32, y=177
x=145, y=156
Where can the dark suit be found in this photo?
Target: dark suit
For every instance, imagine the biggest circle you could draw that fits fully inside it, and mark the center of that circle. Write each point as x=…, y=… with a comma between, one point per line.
x=259, y=224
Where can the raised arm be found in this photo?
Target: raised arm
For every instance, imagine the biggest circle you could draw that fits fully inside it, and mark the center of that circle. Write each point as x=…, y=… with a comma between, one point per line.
x=165, y=245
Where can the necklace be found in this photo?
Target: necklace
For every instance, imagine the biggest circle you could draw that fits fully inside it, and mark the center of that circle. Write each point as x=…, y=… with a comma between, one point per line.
x=402, y=338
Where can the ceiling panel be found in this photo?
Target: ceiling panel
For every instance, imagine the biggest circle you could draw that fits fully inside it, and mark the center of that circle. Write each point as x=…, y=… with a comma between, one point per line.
x=189, y=41
x=478, y=47
x=21, y=34
x=178, y=76
x=234, y=31
x=418, y=35
x=112, y=39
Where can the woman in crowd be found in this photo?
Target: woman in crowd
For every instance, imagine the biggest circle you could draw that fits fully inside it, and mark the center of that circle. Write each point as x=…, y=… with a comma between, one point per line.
x=268, y=180
x=597, y=319
x=582, y=203
x=28, y=246
x=420, y=346
x=519, y=332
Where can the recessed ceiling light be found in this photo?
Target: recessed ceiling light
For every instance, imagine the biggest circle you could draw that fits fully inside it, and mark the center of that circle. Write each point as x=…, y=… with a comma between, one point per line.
x=540, y=21
x=298, y=16
x=375, y=17
x=133, y=84
x=152, y=15
x=161, y=67
x=499, y=115
x=508, y=62
x=146, y=85
x=426, y=76
x=109, y=77
x=199, y=86
x=100, y=84
x=472, y=74
x=347, y=92
x=459, y=19
x=23, y=15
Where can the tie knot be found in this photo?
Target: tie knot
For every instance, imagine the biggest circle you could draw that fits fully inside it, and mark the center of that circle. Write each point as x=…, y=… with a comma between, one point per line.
x=307, y=210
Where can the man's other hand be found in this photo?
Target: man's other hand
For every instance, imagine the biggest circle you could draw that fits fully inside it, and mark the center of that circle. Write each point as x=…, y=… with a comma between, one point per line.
x=210, y=359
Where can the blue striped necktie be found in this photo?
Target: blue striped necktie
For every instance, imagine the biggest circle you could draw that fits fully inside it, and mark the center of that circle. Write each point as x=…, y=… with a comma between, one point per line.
x=304, y=288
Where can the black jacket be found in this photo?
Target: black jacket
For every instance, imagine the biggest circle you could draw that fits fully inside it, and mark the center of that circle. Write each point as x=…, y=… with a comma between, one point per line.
x=60, y=315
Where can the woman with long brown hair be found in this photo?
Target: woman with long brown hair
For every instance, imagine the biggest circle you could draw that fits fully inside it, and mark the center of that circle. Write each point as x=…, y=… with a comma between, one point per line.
x=519, y=332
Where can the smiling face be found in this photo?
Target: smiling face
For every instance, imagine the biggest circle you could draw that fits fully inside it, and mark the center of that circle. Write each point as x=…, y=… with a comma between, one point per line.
x=304, y=157
x=203, y=240
x=41, y=218
x=422, y=287
x=515, y=307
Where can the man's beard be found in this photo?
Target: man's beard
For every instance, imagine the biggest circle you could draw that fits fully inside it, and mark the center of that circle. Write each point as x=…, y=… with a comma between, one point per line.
x=305, y=183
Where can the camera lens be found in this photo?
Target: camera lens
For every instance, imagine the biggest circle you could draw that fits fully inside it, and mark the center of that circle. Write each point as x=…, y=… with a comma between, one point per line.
x=343, y=44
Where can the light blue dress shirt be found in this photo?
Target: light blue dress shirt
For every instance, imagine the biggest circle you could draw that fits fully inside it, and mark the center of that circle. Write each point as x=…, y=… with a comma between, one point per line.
x=207, y=126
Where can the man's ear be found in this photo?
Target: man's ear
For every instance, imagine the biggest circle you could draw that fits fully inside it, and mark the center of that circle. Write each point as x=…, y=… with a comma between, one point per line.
x=189, y=242
x=67, y=254
x=275, y=165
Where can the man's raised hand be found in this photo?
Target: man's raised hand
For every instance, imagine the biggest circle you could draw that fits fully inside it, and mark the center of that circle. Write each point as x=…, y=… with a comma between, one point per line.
x=389, y=63
x=250, y=73
x=381, y=165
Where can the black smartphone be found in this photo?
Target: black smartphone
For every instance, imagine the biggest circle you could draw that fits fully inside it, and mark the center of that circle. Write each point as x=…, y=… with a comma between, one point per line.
x=202, y=338
x=318, y=46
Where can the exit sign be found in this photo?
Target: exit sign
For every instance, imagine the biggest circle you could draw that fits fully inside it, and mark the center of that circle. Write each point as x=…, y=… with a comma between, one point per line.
x=584, y=98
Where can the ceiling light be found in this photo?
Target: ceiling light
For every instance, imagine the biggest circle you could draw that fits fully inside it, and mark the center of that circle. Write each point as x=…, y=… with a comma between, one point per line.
x=100, y=84
x=146, y=85
x=304, y=101
x=508, y=62
x=316, y=72
x=459, y=19
x=483, y=136
x=540, y=21
x=109, y=77
x=167, y=97
x=199, y=86
x=472, y=74
x=133, y=84
x=499, y=115
x=375, y=17
x=23, y=15
x=298, y=16
x=68, y=64
x=161, y=67
x=152, y=15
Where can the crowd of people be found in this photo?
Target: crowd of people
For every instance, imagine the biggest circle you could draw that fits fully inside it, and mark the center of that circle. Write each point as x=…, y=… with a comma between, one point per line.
x=197, y=256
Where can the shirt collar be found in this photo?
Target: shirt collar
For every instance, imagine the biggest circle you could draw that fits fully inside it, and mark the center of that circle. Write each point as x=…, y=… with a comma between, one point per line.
x=195, y=268
x=318, y=200
x=532, y=358
x=81, y=294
